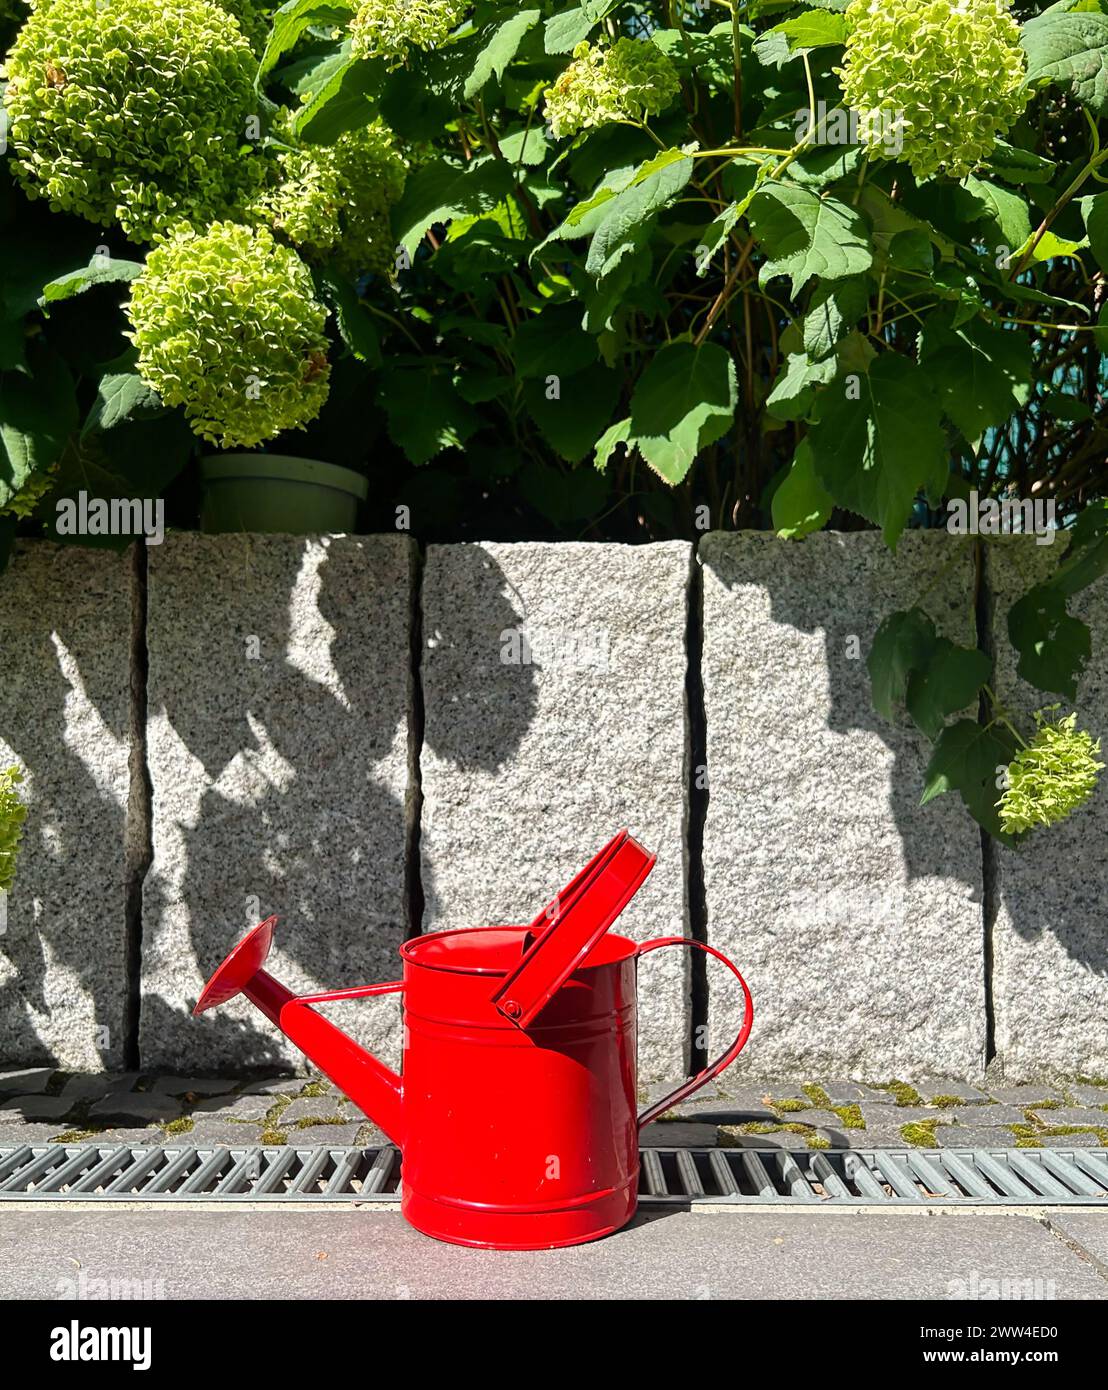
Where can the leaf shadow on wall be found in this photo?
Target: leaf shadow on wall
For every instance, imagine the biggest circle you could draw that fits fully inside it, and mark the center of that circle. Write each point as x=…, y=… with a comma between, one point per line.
x=300, y=811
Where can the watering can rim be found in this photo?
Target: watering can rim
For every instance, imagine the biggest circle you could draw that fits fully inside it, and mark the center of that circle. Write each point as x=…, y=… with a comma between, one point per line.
x=624, y=949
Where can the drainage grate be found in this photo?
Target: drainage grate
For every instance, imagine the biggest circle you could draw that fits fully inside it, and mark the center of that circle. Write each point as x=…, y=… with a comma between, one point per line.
x=676, y=1177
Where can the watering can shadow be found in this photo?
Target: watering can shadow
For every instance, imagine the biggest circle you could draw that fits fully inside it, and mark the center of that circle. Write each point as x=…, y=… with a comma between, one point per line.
x=516, y=1110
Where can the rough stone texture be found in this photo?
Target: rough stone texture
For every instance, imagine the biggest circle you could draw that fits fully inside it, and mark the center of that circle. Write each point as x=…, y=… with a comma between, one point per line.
x=25, y=1082
x=65, y=719
x=131, y=1106
x=1050, y=946
x=854, y=914
x=529, y=768
x=279, y=699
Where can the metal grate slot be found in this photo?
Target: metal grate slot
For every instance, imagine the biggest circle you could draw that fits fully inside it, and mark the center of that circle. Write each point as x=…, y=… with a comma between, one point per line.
x=892, y=1178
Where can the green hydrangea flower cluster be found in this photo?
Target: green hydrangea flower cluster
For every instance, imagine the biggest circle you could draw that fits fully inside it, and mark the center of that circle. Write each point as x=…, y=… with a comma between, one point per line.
x=388, y=29
x=625, y=81
x=24, y=502
x=12, y=815
x=227, y=325
x=949, y=73
x=1052, y=777
x=254, y=17
x=333, y=202
x=135, y=111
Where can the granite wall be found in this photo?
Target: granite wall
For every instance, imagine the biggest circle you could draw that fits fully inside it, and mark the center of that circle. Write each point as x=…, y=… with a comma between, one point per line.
x=370, y=741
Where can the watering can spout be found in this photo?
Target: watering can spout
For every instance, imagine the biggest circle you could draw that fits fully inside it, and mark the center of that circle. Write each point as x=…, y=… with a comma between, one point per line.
x=372, y=1086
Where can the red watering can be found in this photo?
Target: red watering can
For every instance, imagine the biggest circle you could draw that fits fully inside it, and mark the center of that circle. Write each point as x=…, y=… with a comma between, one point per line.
x=516, y=1110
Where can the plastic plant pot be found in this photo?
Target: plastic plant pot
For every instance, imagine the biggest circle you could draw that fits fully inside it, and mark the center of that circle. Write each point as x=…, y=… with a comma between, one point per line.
x=279, y=495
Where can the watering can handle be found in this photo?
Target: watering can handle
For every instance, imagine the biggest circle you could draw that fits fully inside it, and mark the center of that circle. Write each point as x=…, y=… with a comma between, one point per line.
x=724, y=1059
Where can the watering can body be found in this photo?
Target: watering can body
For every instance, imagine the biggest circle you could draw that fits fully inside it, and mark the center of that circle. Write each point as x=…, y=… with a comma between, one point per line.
x=516, y=1111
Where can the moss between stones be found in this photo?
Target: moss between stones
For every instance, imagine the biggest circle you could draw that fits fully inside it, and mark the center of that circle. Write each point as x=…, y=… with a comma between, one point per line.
x=817, y=1095
x=310, y=1121
x=182, y=1125
x=75, y=1136
x=790, y=1106
x=920, y=1135
x=817, y=1141
x=901, y=1092
x=948, y=1102
x=851, y=1116
x=312, y=1089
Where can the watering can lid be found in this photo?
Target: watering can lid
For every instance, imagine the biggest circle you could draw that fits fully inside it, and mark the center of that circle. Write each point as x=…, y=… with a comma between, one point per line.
x=571, y=925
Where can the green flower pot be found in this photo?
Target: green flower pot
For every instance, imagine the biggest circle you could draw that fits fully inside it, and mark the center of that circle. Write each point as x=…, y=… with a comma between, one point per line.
x=275, y=494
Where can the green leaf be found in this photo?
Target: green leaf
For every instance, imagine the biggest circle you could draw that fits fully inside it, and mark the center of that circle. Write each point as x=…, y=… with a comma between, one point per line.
x=1015, y=165
x=875, y=453
x=804, y=235
x=1005, y=212
x=563, y=497
x=502, y=42
x=101, y=270
x=833, y=311
x=1054, y=648
x=563, y=32
x=794, y=389
x=293, y=19
x=355, y=324
x=1096, y=224
x=950, y=679
x=120, y=396
x=441, y=191
x=553, y=343
x=970, y=759
x=612, y=438
x=801, y=504
x=684, y=401
x=343, y=102
x=902, y=644
x=424, y=412
x=36, y=417
x=630, y=213
x=1069, y=50
x=980, y=373
x=813, y=29
x=578, y=414
x=1086, y=557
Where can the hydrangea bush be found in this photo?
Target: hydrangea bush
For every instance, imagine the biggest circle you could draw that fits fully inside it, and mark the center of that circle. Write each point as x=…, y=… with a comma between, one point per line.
x=951, y=77
x=227, y=326
x=12, y=815
x=135, y=112
x=622, y=271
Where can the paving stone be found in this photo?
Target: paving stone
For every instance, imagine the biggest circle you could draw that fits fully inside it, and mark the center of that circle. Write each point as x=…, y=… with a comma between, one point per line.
x=38, y=1107
x=150, y=1137
x=1073, y=1115
x=674, y=1134
x=826, y=1119
x=279, y=695
x=530, y=765
x=253, y=1108
x=90, y=1086
x=1071, y=1141
x=968, y=1137
x=135, y=1106
x=930, y=1087
x=904, y=1115
x=13, y=1134
x=210, y=1129
x=863, y=946
x=194, y=1085
x=881, y=1137
x=333, y=1136
x=274, y=1086
x=65, y=718
x=371, y=1137
x=851, y=1092
x=983, y=1116
x=723, y=1112
x=1096, y=1096
x=1026, y=1097
x=1050, y=948
x=26, y=1082
x=314, y=1107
